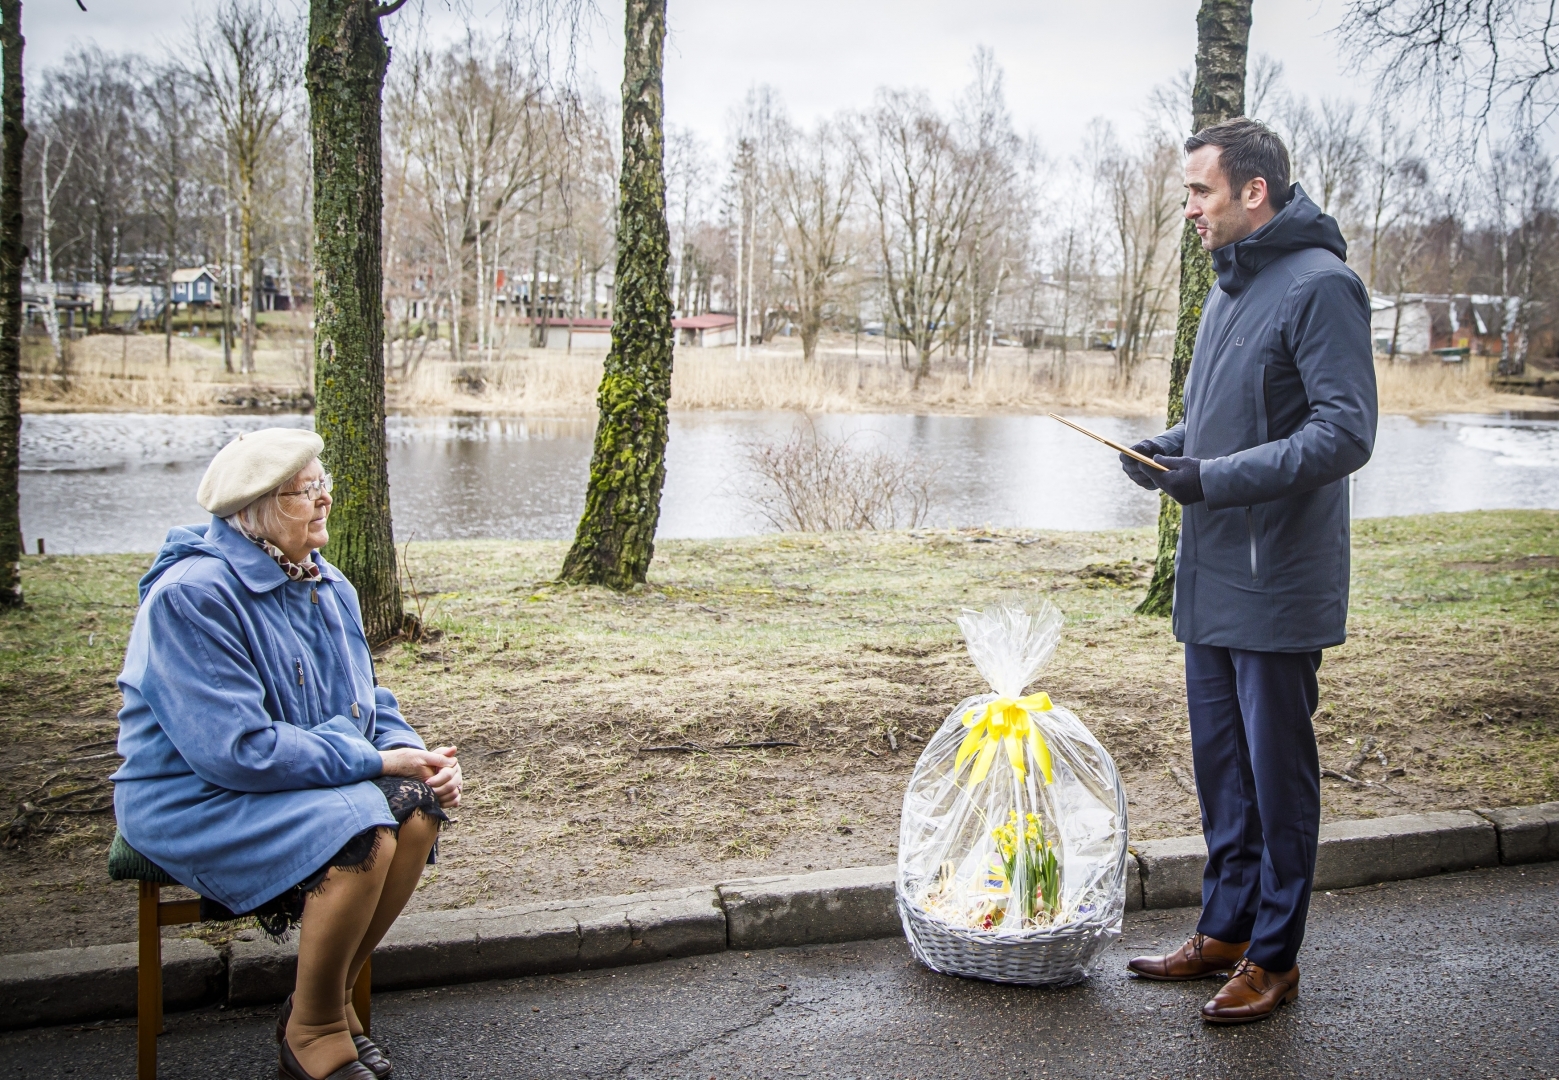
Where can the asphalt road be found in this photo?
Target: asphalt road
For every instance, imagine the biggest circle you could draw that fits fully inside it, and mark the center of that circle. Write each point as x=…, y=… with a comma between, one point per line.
x=1455, y=976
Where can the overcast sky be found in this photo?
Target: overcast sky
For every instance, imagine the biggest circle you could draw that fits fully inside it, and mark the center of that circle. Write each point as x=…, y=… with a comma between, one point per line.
x=1065, y=63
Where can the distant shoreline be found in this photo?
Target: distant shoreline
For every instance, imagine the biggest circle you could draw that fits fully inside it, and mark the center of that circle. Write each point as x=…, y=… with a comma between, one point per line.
x=130, y=374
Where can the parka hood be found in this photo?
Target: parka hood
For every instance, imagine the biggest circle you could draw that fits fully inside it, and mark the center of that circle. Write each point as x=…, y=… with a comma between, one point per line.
x=219, y=540
x=182, y=542
x=1300, y=224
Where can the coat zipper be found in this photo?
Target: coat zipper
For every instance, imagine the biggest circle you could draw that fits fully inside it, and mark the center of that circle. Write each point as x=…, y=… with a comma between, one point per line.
x=1250, y=527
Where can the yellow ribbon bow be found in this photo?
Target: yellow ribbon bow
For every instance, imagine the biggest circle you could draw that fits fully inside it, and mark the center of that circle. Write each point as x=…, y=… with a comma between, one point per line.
x=1005, y=722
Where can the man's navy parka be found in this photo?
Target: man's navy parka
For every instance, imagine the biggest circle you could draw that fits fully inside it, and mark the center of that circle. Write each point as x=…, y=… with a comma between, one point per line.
x=1279, y=407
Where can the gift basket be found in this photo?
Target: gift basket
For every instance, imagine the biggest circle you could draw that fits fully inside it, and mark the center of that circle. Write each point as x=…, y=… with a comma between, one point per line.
x=1012, y=847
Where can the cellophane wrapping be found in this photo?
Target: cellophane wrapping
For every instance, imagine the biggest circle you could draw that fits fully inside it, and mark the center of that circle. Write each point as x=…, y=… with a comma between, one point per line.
x=1012, y=867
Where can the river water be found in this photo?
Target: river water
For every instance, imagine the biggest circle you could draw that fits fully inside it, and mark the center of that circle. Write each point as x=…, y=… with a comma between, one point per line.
x=116, y=482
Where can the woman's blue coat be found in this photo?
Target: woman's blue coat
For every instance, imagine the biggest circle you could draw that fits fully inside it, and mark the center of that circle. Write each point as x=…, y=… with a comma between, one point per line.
x=251, y=720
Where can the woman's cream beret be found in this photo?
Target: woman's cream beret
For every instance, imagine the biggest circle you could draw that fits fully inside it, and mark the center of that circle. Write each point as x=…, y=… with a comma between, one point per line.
x=253, y=464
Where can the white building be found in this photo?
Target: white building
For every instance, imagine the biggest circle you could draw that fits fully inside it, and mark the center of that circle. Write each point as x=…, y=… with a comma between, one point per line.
x=1411, y=326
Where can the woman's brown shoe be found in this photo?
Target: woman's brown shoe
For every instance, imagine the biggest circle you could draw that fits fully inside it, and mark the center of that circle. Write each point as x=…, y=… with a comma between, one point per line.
x=370, y=1055
x=368, y=1051
x=288, y=1068
x=1200, y=958
x=1252, y=993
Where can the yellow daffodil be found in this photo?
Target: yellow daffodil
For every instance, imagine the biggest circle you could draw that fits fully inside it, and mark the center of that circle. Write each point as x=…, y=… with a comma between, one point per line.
x=1035, y=879
x=1005, y=722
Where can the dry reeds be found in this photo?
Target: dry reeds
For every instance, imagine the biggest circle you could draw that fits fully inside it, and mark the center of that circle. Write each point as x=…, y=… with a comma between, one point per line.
x=543, y=381
x=1428, y=386
x=1012, y=381
x=128, y=373
x=525, y=382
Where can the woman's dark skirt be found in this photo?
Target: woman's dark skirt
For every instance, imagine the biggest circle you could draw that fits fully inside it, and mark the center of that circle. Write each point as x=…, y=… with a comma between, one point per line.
x=280, y=914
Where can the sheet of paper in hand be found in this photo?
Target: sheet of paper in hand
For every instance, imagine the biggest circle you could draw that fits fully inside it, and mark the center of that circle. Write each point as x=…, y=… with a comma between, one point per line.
x=1012, y=844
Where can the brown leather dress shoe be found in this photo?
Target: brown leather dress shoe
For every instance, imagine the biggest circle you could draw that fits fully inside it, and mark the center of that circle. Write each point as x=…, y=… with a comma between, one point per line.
x=1252, y=993
x=1200, y=958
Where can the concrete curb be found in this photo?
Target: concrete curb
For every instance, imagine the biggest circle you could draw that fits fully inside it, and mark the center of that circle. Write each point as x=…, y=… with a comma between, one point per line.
x=1362, y=852
x=468, y=945
x=831, y=905
x=98, y=982
x=1526, y=833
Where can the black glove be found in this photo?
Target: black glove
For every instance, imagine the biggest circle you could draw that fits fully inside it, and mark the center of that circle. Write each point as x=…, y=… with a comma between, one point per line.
x=1183, y=481
x=1140, y=474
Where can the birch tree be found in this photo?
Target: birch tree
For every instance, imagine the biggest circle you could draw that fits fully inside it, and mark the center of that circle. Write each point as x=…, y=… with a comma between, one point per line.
x=923, y=198
x=1329, y=152
x=53, y=155
x=475, y=142
x=997, y=240
x=1520, y=178
x=1222, y=40
x=166, y=130
x=616, y=536
x=814, y=191
x=1144, y=194
x=347, y=60
x=244, y=68
x=101, y=94
x=687, y=175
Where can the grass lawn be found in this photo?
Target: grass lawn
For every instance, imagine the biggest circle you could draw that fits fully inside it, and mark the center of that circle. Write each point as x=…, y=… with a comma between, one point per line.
x=832, y=641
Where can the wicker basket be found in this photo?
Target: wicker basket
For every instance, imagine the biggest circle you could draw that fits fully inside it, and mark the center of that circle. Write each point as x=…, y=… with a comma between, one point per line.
x=1027, y=957
x=1048, y=957
x=963, y=795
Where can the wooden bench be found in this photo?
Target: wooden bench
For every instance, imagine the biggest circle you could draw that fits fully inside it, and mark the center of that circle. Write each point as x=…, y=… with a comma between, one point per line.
x=152, y=914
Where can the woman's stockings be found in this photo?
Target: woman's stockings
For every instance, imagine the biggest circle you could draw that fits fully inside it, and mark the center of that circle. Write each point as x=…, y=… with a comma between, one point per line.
x=411, y=857
x=333, y=928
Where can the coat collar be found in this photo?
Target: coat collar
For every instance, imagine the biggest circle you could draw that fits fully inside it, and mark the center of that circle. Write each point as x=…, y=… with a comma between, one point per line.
x=1299, y=225
x=257, y=570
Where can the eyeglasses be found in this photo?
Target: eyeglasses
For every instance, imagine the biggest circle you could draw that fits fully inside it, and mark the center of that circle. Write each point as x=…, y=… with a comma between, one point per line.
x=314, y=489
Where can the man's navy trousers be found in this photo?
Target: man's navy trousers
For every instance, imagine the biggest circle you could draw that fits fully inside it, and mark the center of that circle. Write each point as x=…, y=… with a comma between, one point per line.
x=1258, y=779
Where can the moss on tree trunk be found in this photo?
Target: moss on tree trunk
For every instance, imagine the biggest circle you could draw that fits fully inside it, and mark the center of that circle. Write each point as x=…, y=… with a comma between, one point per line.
x=347, y=59
x=616, y=537
x=1222, y=38
x=13, y=135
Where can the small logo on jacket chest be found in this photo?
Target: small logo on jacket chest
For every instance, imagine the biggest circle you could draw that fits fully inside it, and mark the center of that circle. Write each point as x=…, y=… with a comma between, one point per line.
x=1239, y=341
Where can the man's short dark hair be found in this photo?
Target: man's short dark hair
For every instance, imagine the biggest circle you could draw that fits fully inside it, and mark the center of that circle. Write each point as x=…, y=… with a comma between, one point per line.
x=1248, y=149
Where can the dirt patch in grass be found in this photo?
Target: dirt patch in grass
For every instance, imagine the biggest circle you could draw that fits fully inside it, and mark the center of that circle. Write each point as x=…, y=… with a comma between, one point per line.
x=844, y=644
x=1526, y=562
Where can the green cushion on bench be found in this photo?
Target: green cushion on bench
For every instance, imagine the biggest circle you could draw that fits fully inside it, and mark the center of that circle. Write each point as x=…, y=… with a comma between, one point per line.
x=127, y=864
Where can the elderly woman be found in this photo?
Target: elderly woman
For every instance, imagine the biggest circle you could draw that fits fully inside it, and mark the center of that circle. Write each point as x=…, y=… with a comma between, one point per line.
x=264, y=767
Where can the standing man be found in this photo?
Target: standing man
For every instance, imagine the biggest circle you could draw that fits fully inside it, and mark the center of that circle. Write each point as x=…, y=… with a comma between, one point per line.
x=1279, y=409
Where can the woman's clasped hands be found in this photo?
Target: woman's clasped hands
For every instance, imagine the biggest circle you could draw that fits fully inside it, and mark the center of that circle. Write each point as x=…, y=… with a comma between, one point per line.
x=439, y=769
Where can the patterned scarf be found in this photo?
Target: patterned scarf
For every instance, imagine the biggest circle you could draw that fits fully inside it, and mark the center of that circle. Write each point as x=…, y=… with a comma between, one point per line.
x=306, y=572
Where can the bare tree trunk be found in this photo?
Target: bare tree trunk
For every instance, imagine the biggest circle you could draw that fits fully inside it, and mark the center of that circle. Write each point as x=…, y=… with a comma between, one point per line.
x=13, y=136
x=616, y=537
x=347, y=60
x=741, y=224
x=227, y=276
x=46, y=193
x=1222, y=39
x=246, y=275
x=167, y=309
x=538, y=333
x=752, y=257
x=1510, y=363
